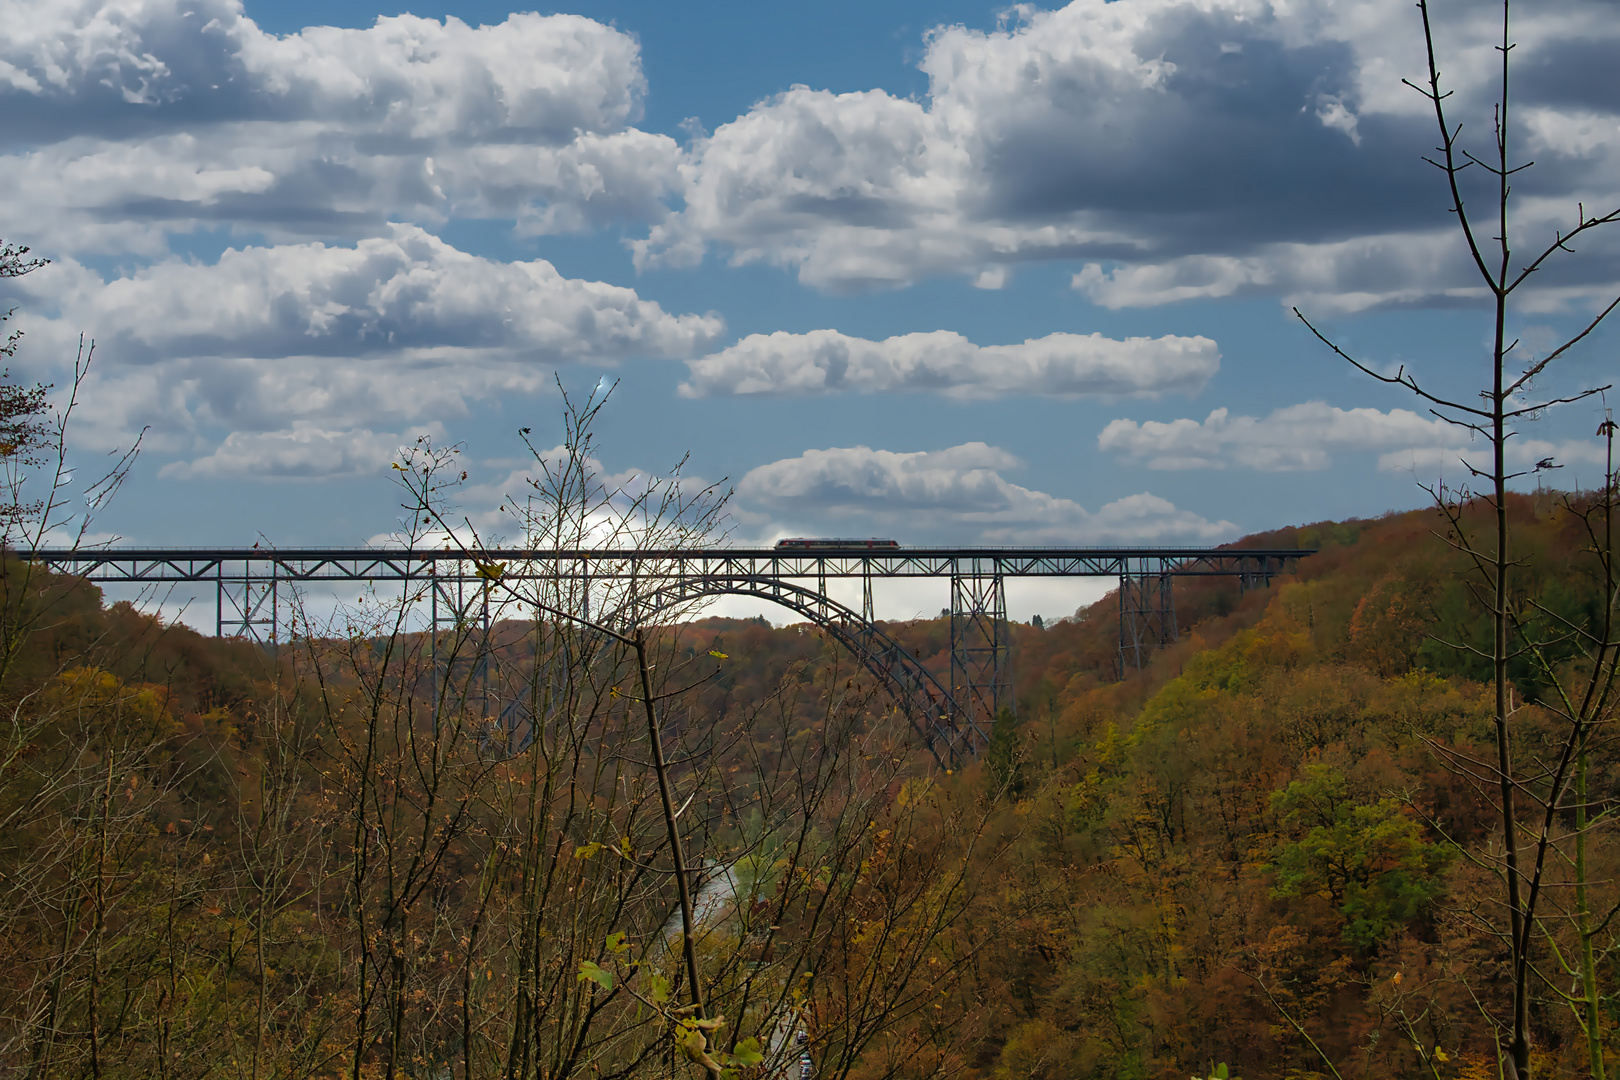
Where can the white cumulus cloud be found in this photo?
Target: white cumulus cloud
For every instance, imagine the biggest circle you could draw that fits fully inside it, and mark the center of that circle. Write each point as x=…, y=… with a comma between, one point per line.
x=958, y=494
x=131, y=119
x=301, y=452
x=1185, y=150
x=1298, y=437
x=826, y=361
x=1523, y=455
x=347, y=340
x=405, y=293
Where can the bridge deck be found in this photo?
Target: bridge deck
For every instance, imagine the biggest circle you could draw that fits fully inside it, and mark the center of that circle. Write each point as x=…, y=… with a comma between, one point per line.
x=403, y=564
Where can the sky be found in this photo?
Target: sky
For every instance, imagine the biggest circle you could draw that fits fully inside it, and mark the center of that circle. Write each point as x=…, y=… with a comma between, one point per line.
x=939, y=271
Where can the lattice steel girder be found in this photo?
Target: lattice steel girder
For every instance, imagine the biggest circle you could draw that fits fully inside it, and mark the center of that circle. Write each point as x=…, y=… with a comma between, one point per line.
x=379, y=565
x=1147, y=616
x=245, y=606
x=459, y=615
x=981, y=645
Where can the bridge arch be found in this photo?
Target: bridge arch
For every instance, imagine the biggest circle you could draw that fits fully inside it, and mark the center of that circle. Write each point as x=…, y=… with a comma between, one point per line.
x=947, y=729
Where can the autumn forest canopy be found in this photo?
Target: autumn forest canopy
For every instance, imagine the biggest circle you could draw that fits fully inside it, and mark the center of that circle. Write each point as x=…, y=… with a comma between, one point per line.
x=1275, y=848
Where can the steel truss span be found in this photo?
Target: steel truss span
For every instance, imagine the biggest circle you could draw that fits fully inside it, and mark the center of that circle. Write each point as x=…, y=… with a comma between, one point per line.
x=410, y=564
x=953, y=720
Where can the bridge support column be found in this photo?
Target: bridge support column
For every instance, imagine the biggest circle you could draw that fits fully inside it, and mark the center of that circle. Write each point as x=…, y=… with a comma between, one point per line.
x=1147, y=613
x=981, y=646
x=458, y=617
x=1257, y=572
x=245, y=606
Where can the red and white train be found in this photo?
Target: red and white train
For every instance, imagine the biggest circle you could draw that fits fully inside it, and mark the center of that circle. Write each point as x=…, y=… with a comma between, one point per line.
x=835, y=543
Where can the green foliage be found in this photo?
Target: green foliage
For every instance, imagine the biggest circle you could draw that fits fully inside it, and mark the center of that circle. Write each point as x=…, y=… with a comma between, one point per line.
x=590, y=971
x=747, y=1054
x=1369, y=860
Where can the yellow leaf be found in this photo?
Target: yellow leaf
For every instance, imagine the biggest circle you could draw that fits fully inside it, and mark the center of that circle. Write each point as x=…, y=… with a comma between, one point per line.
x=587, y=850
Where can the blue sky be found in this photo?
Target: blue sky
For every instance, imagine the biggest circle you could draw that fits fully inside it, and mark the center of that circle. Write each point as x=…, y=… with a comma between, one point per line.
x=942, y=271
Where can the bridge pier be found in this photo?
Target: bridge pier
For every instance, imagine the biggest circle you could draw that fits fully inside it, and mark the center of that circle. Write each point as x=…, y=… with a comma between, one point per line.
x=458, y=608
x=981, y=645
x=1147, y=614
x=245, y=605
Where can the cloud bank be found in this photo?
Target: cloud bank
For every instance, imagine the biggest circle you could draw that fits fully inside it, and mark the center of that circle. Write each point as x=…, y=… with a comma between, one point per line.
x=1182, y=150
x=1298, y=437
x=135, y=118
x=288, y=341
x=954, y=491
x=1063, y=365
x=302, y=453
x=1304, y=437
x=1177, y=150
x=407, y=293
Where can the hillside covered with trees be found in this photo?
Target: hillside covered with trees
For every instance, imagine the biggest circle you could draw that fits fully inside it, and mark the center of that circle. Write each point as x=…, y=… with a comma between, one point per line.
x=1277, y=848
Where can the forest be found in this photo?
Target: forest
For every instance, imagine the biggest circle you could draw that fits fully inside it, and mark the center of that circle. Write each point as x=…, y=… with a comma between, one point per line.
x=374, y=851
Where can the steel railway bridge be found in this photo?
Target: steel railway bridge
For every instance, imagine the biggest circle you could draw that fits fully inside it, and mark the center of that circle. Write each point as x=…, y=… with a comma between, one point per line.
x=953, y=718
